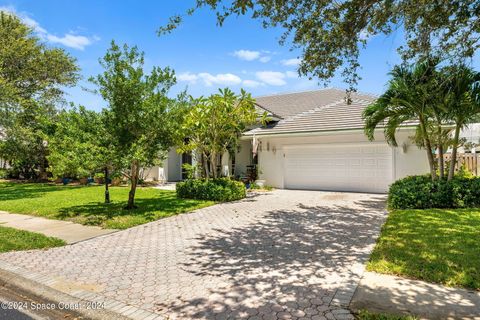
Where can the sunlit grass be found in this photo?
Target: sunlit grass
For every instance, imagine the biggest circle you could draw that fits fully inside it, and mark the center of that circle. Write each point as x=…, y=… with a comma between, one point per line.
x=84, y=204
x=435, y=245
x=13, y=239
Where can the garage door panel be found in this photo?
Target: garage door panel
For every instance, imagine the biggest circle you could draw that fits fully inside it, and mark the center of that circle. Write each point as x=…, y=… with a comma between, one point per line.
x=344, y=168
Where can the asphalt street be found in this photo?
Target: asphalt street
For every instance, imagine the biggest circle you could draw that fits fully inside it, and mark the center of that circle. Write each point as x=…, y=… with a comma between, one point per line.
x=17, y=306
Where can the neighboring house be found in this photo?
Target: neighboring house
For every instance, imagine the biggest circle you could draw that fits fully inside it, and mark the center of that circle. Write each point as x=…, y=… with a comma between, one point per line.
x=471, y=135
x=316, y=141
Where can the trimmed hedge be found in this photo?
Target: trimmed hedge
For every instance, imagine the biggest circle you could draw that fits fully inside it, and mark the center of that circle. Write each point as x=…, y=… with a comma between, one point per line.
x=221, y=189
x=420, y=192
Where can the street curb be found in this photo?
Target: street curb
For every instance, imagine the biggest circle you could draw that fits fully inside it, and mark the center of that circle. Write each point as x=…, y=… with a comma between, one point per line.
x=37, y=286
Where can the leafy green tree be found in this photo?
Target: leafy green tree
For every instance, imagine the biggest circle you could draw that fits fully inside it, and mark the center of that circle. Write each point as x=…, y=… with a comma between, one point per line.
x=437, y=99
x=409, y=98
x=32, y=76
x=332, y=33
x=138, y=114
x=75, y=149
x=462, y=102
x=214, y=124
x=80, y=145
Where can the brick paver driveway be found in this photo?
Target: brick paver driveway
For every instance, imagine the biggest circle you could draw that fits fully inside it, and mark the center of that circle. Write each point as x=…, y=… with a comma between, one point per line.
x=284, y=254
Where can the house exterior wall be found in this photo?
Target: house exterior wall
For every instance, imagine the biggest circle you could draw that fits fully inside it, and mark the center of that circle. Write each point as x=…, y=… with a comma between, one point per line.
x=412, y=162
x=174, y=165
x=171, y=170
x=243, y=157
x=271, y=153
x=155, y=173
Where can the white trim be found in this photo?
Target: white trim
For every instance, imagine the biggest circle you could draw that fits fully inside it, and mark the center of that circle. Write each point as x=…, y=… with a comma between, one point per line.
x=315, y=133
x=340, y=144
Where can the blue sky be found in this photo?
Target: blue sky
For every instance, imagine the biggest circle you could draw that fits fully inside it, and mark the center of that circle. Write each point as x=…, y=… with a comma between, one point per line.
x=205, y=57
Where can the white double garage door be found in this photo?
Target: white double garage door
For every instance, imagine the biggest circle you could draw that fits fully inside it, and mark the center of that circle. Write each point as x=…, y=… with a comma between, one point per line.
x=339, y=167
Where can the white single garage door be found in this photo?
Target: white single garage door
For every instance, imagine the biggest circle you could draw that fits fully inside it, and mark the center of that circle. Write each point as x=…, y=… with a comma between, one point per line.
x=360, y=168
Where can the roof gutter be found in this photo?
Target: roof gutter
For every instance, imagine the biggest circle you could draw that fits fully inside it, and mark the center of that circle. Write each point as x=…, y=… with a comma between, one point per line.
x=316, y=133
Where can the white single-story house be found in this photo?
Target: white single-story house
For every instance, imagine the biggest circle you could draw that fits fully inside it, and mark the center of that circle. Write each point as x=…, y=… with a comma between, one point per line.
x=316, y=141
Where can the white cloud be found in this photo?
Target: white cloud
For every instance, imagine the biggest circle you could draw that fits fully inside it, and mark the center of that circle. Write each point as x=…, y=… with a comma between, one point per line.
x=221, y=78
x=247, y=55
x=209, y=79
x=70, y=39
x=263, y=78
x=251, y=83
x=272, y=78
x=250, y=55
x=187, y=77
x=291, y=62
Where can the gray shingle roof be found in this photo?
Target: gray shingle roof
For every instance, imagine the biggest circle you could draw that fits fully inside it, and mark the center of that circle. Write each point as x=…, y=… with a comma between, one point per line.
x=290, y=104
x=320, y=110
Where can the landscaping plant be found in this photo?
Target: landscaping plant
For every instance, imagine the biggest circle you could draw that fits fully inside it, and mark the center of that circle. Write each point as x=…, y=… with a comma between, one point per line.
x=32, y=81
x=213, y=125
x=76, y=149
x=138, y=117
x=420, y=192
x=432, y=99
x=220, y=189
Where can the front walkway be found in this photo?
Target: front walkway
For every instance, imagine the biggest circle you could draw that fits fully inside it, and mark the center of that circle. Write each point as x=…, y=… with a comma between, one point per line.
x=278, y=255
x=67, y=231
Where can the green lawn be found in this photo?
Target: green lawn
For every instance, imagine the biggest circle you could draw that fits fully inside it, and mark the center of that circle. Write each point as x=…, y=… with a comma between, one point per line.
x=84, y=204
x=13, y=239
x=435, y=245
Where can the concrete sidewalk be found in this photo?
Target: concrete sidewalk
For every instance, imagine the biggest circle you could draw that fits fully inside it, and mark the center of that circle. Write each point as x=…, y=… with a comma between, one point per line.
x=67, y=231
x=395, y=295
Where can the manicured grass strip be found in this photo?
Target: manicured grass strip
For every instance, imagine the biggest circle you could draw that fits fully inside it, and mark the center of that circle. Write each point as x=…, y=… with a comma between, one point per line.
x=84, y=204
x=13, y=240
x=434, y=245
x=365, y=315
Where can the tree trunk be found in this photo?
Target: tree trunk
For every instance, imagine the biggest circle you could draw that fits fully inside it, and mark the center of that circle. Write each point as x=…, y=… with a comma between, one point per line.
x=431, y=161
x=107, y=193
x=42, y=169
x=440, y=160
x=441, y=163
x=133, y=186
x=206, y=164
x=213, y=164
x=428, y=147
x=453, y=160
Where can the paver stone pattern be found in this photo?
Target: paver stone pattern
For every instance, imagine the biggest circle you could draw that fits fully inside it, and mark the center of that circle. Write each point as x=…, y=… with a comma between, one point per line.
x=278, y=255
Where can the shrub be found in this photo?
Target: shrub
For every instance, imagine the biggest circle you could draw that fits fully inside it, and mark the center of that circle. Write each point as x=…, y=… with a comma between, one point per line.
x=420, y=192
x=222, y=189
x=255, y=186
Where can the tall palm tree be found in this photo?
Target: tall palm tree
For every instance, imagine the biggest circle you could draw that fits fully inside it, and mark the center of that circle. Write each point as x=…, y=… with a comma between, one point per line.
x=462, y=96
x=409, y=99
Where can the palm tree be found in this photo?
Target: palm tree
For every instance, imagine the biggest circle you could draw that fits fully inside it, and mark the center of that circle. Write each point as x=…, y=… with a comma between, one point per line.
x=409, y=99
x=462, y=96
